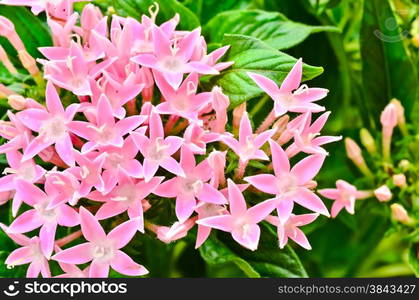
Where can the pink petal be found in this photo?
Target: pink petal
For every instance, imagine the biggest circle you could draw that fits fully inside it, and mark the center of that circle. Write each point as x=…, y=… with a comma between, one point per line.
x=150, y=168
x=155, y=126
x=123, y=233
x=20, y=256
x=146, y=60
x=245, y=129
x=7, y=183
x=224, y=222
x=171, y=165
x=185, y=206
x=266, y=84
x=264, y=182
x=79, y=254
x=33, y=270
x=64, y=149
x=329, y=193
x=68, y=216
x=202, y=235
x=33, y=118
x=210, y=194
x=311, y=94
x=248, y=238
x=319, y=123
x=26, y=222
x=135, y=211
x=110, y=209
x=308, y=199
x=262, y=138
x=284, y=208
x=30, y=193
x=47, y=238
x=174, y=143
x=260, y=211
x=90, y=226
x=307, y=168
x=129, y=124
x=188, y=43
x=98, y=269
x=236, y=199
x=133, y=168
x=168, y=189
x=124, y=264
x=280, y=160
x=301, y=239
x=293, y=79
x=53, y=101
x=104, y=113
x=34, y=147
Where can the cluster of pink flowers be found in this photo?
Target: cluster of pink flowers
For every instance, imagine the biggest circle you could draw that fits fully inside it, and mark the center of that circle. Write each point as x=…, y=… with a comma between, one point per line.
x=120, y=142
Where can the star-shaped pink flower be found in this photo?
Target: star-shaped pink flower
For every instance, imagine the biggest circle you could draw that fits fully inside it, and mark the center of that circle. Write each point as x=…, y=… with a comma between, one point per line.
x=191, y=187
x=103, y=250
x=158, y=150
x=241, y=222
x=52, y=126
x=291, y=96
x=290, y=185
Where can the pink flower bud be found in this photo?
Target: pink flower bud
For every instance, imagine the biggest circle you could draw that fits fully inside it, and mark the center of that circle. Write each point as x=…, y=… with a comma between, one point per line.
x=17, y=102
x=6, y=62
x=399, y=214
x=237, y=116
x=383, y=193
x=352, y=149
x=6, y=27
x=389, y=116
x=90, y=17
x=217, y=161
x=399, y=180
x=368, y=141
x=220, y=101
x=177, y=231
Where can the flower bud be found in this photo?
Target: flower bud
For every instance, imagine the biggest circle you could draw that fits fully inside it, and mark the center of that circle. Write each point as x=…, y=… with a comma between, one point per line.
x=280, y=126
x=355, y=154
x=415, y=41
x=404, y=164
x=368, y=141
x=399, y=214
x=17, y=102
x=90, y=17
x=399, y=180
x=383, y=193
x=6, y=61
x=6, y=27
x=389, y=116
x=217, y=161
x=220, y=103
x=401, y=120
x=237, y=116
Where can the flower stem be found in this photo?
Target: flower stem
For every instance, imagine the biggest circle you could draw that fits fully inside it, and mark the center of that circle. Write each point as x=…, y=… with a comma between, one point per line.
x=68, y=239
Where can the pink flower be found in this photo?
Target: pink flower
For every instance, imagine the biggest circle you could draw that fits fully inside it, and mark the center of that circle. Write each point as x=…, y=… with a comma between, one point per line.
x=194, y=185
x=206, y=210
x=27, y=170
x=344, y=195
x=248, y=146
x=183, y=102
x=30, y=253
x=383, y=193
x=42, y=216
x=289, y=229
x=101, y=249
x=241, y=222
x=106, y=131
x=126, y=196
x=196, y=138
x=89, y=172
x=52, y=126
x=158, y=150
x=172, y=58
x=306, y=136
x=62, y=187
x=290, y=185
x=291, y=96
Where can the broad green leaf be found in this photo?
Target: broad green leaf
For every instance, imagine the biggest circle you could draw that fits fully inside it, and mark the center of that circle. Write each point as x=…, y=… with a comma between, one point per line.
x=387, y=69
x=252, y=55
x=215, y=252
x=413, y=258
x=31, y=29
x=267, y=261
x=167, y=10
x=206, y=9
x=271, y=27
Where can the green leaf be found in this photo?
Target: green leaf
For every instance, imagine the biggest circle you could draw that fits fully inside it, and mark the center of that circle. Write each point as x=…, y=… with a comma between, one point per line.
x=387, y=69
x=215, y=252
x=412, y=258
x=207, y=9
x=267, y=261
x=252, y=55
x=271, y=27
x=167, y=10
x=32, y=30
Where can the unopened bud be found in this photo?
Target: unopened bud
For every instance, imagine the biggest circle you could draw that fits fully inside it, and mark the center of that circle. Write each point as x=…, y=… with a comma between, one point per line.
x=415, y=41
x=17, y=102
x=399, y=214
x=401, y=120
x=6, y=61
x=28, y=62
x=404, y=164
x=91, y=15
x=6, y=27
x=389, y=116
x=383, y=193
x=368, y=141
x=399, y=180
x=280, y=125
x=352, y=149
x=220, y=103
x=237, y=116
